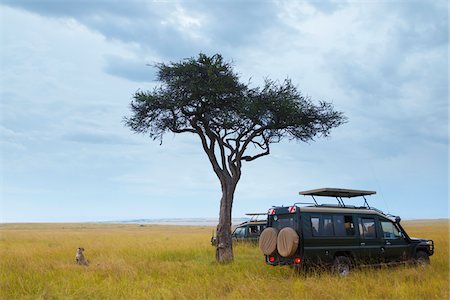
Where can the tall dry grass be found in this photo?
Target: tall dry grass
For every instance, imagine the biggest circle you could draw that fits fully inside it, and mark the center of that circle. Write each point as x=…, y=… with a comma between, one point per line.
x=170, y=262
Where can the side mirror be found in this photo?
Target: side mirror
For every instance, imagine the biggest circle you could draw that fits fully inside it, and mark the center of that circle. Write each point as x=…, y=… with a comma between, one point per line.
x=397, y=219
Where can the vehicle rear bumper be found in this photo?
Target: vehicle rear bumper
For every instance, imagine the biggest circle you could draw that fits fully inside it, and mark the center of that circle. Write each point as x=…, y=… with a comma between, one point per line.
x=278, y=260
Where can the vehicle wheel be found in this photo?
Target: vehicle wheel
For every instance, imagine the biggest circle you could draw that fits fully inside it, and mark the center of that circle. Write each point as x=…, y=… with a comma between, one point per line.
x=422, y=258
x=268, y=240
x=342, y=265
x=287, y=242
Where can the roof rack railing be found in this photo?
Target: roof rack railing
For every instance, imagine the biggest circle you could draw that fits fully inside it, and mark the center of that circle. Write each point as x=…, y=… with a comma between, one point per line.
x=254, y=216
x=345, y=206
x=327, y=205
x=378, y=210
x=337, y=205
x=313, y=203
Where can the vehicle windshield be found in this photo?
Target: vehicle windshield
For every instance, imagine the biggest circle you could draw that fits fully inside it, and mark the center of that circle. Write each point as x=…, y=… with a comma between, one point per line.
x=281, y=221
x=390, y=230
x=239, y=232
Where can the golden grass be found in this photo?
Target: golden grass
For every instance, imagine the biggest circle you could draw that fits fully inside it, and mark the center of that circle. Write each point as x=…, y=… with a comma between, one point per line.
x=172, y=262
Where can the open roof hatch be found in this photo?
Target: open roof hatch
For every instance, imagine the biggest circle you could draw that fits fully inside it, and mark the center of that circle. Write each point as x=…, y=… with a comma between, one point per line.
x=338, y=194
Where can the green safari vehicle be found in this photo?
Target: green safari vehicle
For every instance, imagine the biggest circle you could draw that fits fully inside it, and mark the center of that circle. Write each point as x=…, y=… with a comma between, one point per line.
x=251, y=230
x=248, y=231
x=341, y=236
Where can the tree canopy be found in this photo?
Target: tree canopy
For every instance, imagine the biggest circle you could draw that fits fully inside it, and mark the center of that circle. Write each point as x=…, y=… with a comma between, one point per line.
x=204, y=96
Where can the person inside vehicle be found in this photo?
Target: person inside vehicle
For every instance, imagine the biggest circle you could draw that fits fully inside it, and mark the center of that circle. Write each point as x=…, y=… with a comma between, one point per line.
x=371, y=231
x=253, y=229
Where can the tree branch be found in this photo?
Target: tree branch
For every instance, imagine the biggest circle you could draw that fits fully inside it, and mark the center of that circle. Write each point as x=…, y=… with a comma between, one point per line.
x=264, y=146
x=250, y=158
x=209, y=151
x=214, y=137
x=191, y=130
x=255, y=133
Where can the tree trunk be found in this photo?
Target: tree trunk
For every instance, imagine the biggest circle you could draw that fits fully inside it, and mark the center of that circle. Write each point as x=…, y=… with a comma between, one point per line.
x=224, y=249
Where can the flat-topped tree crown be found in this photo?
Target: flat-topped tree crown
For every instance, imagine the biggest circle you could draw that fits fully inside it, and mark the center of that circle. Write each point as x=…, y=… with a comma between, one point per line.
x=204, y=96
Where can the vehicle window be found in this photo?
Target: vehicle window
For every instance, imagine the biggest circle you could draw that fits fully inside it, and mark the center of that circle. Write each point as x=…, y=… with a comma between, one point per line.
x=349, y=226
x=261, y=228
x=343, y=225
x=367, y=228
x=390, y=231
x=281, y=221
x=327, y=226
x=315, y=226
x=336, y=225
x=240, y=232
x=339, y=228
x=253, y=229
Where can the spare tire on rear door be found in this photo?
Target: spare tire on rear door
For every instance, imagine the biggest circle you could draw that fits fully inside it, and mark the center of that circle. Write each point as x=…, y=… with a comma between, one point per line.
x=268, y=240
x=287, y=242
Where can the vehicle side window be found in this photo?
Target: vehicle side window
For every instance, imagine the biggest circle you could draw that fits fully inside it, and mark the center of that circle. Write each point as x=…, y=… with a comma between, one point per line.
x=390, y=231
x=339, y=225
x=240, y=232
x=343, y=225
x=336, y=225
x=367, y=228
x=253, y=229
x=327, y=226
x=349, y=226
x=315, y=226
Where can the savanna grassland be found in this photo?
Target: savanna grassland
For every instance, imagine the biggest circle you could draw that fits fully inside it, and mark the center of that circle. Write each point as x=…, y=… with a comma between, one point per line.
x=174, y=262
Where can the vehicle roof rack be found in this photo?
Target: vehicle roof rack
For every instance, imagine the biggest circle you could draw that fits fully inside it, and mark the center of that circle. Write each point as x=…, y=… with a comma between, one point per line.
x=335, y=192
x=254, y=216
x=339, y=206
x=338, y=194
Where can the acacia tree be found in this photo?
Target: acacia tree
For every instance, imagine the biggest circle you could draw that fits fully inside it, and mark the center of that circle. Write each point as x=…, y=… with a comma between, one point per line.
x=235, y=122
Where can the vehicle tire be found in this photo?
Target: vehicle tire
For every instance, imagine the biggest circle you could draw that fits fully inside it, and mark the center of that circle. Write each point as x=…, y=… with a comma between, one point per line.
x=342, y=265
x=422, y=258
x=287, y=242
x=268, y=240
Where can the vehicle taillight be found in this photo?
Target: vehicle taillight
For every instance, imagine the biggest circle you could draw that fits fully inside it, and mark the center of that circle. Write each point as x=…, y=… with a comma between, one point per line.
x=271, y=258
x=292, y=209
x=297, y=260
x=271, y=211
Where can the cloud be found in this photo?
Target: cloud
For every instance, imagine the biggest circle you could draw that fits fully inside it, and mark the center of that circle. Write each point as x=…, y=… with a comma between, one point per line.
x=384, y=66
x=328, y=7
x=97, y=138
x=130, y=69
x=172, y=30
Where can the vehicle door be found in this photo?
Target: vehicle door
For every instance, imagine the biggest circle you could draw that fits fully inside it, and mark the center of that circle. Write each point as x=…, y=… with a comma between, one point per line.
x=370, y=241
x=396, y=247
x=253, y=233
x=322, y=241
x=240, y=233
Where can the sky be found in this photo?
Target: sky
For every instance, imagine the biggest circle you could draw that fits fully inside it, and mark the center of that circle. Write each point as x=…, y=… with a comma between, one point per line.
x=69, y=70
